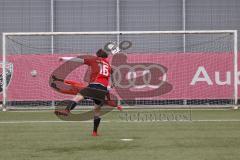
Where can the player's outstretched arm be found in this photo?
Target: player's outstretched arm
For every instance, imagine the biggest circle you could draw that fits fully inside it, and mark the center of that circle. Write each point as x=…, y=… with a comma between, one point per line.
x=72, y=59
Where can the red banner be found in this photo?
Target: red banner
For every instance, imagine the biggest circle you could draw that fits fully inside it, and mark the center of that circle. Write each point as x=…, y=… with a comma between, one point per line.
x=191, y=75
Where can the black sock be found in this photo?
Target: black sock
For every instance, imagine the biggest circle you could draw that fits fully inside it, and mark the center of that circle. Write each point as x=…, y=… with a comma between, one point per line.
x=71, y=105
x=96, y=123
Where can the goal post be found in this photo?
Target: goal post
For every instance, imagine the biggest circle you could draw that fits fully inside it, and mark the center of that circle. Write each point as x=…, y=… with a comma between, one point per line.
x=163, y=46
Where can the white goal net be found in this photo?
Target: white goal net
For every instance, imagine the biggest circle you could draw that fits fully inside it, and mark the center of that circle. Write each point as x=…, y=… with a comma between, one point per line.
x=160, y=68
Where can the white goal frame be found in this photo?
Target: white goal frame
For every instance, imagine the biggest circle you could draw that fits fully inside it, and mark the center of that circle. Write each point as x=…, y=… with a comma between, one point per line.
x=233, y=32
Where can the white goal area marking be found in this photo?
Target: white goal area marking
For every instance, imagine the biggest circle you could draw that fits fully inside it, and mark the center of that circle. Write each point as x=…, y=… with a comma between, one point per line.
x=189, y=121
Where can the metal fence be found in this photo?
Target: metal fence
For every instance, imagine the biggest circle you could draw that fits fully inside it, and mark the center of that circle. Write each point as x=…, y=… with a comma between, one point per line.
x=114, y=15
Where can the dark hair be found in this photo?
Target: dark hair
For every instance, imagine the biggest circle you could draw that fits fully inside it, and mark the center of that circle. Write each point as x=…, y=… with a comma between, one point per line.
x=102, y=53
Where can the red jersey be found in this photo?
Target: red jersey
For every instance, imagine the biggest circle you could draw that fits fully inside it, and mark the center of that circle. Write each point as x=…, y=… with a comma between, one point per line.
x=100, y=70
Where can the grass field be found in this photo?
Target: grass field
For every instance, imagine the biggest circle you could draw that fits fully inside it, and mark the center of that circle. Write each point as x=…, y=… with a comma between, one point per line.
x=203, y=135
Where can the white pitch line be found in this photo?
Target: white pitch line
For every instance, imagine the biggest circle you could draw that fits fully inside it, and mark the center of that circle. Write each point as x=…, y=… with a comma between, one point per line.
x=133, y=109
x=181, y=121
x=126, y=139
x=19, y=122
x=217, y=120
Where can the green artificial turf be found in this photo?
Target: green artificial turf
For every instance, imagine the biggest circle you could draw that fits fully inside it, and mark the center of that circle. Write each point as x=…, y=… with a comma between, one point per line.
x=204, y=135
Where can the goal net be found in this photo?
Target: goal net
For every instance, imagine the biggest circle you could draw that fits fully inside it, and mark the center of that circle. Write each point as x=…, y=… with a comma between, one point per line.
x=160, y=68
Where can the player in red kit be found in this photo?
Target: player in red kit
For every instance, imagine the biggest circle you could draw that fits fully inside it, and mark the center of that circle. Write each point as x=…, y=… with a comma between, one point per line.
x=99, y=80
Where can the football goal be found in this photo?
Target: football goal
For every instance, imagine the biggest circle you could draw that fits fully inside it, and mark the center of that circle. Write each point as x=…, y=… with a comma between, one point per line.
x=151, y=68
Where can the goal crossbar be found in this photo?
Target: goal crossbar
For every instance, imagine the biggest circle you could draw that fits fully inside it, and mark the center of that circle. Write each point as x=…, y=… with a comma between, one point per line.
x=119, y=32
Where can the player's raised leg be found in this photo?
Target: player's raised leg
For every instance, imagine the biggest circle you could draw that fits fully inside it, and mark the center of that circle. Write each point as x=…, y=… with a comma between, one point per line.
x=70, y=106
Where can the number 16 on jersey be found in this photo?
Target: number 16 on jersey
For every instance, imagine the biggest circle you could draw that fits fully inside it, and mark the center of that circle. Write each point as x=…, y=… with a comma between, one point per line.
x=104, y=69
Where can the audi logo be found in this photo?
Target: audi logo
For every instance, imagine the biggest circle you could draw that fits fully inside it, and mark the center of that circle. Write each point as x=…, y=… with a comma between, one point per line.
x=128, y=77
